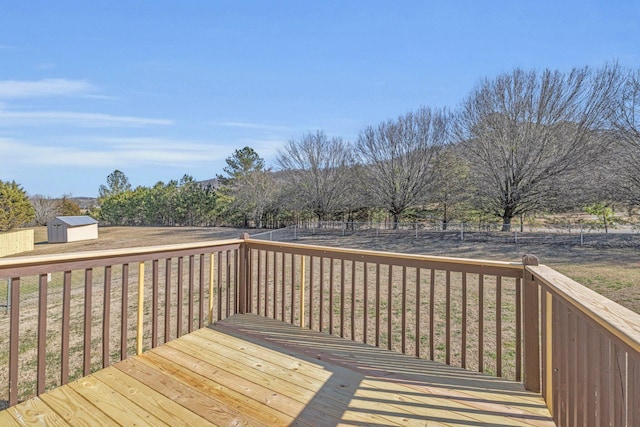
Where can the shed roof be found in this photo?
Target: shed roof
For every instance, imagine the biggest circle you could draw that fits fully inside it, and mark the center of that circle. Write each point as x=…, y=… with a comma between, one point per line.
x=76, y=221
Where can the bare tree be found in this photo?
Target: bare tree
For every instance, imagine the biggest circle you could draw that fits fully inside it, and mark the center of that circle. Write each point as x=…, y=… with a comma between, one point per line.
x=397, y=158
x=315, y=167
x=627, y=120
x=254, y=191
x=45, y=208
x=450, y=188
x=522, y=132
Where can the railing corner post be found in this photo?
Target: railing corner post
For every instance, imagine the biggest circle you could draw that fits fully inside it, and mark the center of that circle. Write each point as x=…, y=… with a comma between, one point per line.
x=244, y=275
x=531, y=326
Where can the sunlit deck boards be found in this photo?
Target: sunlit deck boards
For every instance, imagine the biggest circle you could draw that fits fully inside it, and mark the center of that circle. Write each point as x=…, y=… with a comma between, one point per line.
x=249, y=370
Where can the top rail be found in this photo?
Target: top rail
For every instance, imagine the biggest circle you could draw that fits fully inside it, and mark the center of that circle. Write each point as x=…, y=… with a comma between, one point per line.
x=40, y=264
x=458, y=311
x=103, y=300
x=511, y=269
x=581, y=349
x=589, y=367
x=621, y=322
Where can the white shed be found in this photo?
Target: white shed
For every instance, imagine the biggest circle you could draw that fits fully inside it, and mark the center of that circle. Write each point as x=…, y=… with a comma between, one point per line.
x=65, y=229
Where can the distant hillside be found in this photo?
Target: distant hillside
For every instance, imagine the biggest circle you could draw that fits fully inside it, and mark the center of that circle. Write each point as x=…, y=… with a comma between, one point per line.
x=213, y=182
x=85, y=203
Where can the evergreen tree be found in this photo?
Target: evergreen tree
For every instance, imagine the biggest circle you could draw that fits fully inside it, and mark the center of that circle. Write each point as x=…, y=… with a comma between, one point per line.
x=15, y=207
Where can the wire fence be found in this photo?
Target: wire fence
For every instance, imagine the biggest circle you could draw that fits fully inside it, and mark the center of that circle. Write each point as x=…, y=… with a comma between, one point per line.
x=616, y=235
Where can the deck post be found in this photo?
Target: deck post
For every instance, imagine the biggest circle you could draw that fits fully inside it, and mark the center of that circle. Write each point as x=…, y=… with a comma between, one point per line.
x=140, y=314
x=531, y=327
x=244, y=275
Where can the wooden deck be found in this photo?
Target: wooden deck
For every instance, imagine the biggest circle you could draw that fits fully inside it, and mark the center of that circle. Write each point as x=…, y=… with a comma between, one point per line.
x=249, y=370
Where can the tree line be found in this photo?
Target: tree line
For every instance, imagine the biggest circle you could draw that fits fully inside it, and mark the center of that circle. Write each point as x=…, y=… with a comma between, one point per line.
x=18, y=209
x=519, y=144
x=522, y=143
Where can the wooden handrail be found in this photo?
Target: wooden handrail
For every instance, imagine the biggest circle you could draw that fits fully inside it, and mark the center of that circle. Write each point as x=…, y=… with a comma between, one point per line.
x=401, y=294
x=621, y=322
x=360, y=253
x=312, y=285
x=41, y=297
x=134, y=254
x=589, y=367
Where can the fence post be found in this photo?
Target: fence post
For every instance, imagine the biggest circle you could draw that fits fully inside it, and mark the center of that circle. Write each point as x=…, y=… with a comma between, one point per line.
x=243, y=275
x=8, y=295
x=531, y=327
x=462, y=231
x=140, y=314
x=416, y=225
x=302, y=289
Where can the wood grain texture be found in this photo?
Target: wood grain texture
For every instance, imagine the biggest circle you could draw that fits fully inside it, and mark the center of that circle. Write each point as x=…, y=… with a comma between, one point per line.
x=253, y=371
x=615, y=319
x=33, y=412
x=75, y=409
x=7, y=420
x=111, y=402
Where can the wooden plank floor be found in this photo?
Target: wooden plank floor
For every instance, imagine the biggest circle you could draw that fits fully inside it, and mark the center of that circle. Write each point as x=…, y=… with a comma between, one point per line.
x=249, y=370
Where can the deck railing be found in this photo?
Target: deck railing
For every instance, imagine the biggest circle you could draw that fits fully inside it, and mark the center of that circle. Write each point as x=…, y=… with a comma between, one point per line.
x=590, y=352
x=520, y=321
x=456, y=311
x=69, y=315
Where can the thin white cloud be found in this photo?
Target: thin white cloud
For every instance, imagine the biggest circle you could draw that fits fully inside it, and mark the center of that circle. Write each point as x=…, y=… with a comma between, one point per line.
x=111, y=152
x=87, y=120
x=12, y=89
x=254, y=126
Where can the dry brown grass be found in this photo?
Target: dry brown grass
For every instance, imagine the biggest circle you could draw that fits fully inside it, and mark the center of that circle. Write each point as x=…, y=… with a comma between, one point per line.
x=114, y=237
x=129, y=237
x=612, y=272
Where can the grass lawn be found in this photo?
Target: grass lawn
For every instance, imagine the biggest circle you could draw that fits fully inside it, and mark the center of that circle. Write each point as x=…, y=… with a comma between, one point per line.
x=612, y=272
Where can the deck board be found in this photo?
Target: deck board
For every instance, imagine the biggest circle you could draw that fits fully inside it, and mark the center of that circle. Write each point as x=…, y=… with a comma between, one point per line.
x=252, y=371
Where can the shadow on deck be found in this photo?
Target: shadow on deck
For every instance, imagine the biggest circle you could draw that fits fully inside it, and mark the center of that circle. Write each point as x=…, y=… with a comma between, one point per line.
x=250, y=370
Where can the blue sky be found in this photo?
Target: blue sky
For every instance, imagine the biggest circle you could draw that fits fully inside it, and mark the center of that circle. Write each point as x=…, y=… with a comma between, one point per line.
x=159, y=89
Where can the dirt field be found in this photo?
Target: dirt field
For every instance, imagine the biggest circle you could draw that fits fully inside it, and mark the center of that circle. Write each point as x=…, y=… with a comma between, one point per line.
x=127, y=237
x=609, y=270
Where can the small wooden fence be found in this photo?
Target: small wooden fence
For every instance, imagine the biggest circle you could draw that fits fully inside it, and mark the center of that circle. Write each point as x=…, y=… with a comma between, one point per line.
x=74, y=314
x=15, y=242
